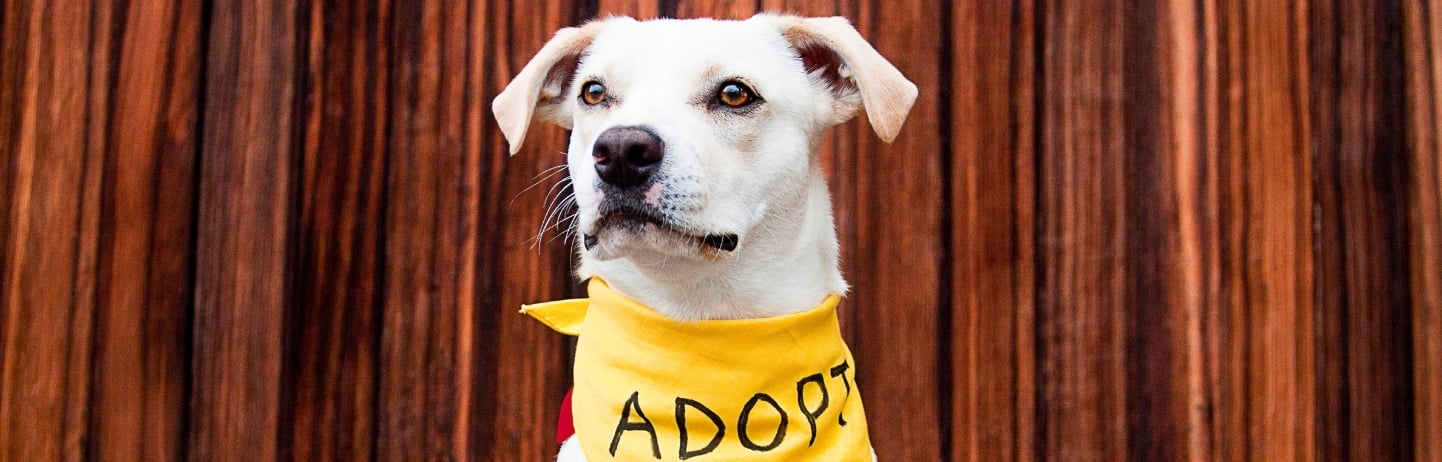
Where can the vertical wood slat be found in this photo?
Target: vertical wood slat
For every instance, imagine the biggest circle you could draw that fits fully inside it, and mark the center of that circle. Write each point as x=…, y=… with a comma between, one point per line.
x=991, y=212
x=47, y=278
x=319, y=144
x=242, y=242
x=340, y=233
x=425, y=226
x=1421, y=40
x=1163, y=265
x=1360, y=157
x=1080, y=305
x=142, y=337
x=1270, y=149
x=529, y=246
x=897, y=295
x=1260, y=328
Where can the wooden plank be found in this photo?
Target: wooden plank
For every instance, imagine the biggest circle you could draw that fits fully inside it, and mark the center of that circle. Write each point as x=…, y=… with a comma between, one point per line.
x=639, y=9
x=246, y=194
x=991, y=213
x=454, y=271
x=526, y=247
x=422, y=296
x=1081, y=245
x=1163, y=262
x=142, y=327
x=1361, y=160
x=719, y=9
x=338, y=272
x=898, y=245
x=1422, y=38
x=47, y=279
x=1262, y=334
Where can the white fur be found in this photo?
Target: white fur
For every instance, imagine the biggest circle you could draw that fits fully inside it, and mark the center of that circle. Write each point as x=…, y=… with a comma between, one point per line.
x=755, y=175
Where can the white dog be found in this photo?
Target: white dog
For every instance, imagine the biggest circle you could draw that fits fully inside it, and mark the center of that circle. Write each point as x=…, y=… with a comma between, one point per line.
x=694, y=167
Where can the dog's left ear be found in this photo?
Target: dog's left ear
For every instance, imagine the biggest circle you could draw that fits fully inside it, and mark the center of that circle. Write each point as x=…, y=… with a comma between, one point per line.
x=541, y=88
x=858, y=76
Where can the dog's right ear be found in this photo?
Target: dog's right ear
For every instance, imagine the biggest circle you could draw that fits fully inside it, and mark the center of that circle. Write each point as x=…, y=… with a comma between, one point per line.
x=541, y=88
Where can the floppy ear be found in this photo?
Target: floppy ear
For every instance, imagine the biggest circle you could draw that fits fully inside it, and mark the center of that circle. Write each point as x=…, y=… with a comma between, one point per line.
x=543, y=85
x=836, y=55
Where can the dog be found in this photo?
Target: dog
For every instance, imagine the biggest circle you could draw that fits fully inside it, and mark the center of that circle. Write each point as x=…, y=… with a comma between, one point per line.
x=699, y=191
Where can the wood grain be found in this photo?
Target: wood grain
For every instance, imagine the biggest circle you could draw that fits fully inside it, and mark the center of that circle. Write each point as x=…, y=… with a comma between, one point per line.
x=47, y=270
x=1110, y=230
x=992, y=210
x=1422, y=37
x=143, y=328
x=243, y=247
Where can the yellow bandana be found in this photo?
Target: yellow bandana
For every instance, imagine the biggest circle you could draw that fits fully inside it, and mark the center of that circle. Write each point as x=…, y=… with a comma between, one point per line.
x=648, y=387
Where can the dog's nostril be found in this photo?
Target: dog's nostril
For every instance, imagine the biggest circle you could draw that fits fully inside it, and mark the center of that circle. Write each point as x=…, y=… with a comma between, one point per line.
x=643, y=154
x=601, y=153
x=626, y=156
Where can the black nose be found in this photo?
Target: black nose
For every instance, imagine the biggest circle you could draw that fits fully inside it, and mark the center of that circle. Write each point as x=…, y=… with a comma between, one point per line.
x=625, y=156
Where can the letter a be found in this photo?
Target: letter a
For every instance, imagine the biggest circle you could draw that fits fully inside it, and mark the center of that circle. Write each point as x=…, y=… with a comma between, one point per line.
x=626, y=425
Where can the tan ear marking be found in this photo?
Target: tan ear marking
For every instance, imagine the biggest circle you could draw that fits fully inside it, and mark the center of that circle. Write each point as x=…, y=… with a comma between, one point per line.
x=886, y=94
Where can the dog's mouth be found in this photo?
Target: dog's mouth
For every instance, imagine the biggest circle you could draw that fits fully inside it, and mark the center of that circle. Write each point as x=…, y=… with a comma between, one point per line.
x=641, y=221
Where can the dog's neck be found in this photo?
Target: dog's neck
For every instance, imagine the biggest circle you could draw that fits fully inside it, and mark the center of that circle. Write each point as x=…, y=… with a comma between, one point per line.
x=787, y=263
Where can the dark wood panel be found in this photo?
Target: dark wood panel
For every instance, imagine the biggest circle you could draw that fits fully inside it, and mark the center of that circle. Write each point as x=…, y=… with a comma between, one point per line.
x=339, y=235
x=988, y=164
x=47, y=270
x=150, y=65
x=1163, y=263
x=898, y=243
x=1421, y=39
x=1360, y=158
x=526, y=250
x=1173, y=230
x=1081, y=246
x=243, y=248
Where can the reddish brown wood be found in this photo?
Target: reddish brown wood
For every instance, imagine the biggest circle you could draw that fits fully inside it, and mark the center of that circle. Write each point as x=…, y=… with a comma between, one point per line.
x=528, y=364
x=1264, y=327
x=990, y=215
x=47, y=269
x=1153, y=231
x=342, y=173
x=1081, y=247
x=898, y=243
x=721, y=9
x=142, y=338
x=1422, y=37
x=639, y=9
x=243, y=249
x=1361, y=161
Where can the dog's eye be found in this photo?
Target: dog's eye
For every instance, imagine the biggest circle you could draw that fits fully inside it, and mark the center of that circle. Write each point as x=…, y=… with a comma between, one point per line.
x=735, y=94
x=593, y=93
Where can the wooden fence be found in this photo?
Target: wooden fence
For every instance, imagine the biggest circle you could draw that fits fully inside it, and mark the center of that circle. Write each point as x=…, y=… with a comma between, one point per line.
x=1181, y=229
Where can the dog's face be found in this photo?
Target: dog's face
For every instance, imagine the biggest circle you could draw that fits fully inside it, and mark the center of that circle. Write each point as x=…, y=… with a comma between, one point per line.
x=686, y=134
x=683, y=133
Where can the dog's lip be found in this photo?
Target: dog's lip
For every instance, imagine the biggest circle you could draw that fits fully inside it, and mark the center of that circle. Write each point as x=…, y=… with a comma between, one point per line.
x=724, y=242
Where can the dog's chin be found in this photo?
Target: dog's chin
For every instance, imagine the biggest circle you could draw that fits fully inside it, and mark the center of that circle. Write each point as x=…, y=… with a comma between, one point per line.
x=626, y=238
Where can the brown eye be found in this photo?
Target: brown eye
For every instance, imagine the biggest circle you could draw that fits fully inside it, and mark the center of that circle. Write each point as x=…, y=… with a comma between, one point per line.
x=735, y=94
x=593, y=93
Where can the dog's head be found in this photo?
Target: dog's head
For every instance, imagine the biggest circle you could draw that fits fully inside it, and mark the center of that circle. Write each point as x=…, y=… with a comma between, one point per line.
x=687, y=134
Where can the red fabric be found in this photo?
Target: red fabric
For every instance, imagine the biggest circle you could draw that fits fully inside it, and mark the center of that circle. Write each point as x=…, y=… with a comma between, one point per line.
x=565, y=427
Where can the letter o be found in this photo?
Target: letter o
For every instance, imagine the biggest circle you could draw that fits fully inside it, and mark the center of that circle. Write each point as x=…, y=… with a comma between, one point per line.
x=741, y=428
